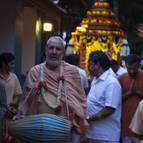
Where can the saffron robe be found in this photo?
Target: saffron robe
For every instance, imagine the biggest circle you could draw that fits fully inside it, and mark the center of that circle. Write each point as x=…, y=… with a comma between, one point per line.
x=73, y=94
x=130, y=104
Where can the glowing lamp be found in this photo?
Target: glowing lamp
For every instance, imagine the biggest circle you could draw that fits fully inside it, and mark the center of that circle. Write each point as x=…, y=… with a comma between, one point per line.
x=47, y=26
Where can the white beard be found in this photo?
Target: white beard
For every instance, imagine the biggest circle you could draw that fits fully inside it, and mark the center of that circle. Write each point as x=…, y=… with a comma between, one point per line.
x=53, y=63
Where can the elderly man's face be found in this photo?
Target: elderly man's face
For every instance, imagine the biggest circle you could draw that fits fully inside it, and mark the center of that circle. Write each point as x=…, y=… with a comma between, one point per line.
x=54, y=53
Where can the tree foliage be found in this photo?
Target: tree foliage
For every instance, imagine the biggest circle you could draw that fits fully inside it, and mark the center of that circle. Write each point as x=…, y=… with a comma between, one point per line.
x=131, y=16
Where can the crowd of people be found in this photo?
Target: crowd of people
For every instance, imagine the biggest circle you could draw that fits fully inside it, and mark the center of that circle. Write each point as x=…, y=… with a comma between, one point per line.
x=108, y=108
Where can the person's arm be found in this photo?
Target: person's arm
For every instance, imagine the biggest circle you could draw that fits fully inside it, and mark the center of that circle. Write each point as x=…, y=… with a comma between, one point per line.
x=13, y=106
x=138, y=136
x=105, y=112
x=137, y=120
x=112, y=102
x=3, y=101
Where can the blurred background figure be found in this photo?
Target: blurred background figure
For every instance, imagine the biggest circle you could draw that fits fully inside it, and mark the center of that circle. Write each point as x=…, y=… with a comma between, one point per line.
x=74, y=60
x=117, y=69
x=9, y=79
x=132, y=93
x=3, y=102
x=12, y=87
x=3, y=107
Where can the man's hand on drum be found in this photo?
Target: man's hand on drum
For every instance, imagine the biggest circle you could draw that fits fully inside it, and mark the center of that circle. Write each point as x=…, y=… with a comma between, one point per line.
x=43, y=84
x=82, y=126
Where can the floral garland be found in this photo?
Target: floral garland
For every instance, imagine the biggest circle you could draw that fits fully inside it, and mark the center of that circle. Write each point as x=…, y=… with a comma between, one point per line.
x=60, y=79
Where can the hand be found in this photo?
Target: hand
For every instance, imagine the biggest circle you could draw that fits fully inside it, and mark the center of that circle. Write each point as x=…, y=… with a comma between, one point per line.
x=83, y=126
x=11, y=111
x=43, y=84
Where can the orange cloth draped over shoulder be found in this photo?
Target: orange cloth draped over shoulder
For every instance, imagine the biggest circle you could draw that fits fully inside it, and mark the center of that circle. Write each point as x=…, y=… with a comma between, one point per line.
x=72, y=92
x=129, y=105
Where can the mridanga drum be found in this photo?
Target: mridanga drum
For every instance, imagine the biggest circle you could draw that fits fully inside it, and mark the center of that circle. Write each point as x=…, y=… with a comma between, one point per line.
x=42, y=128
